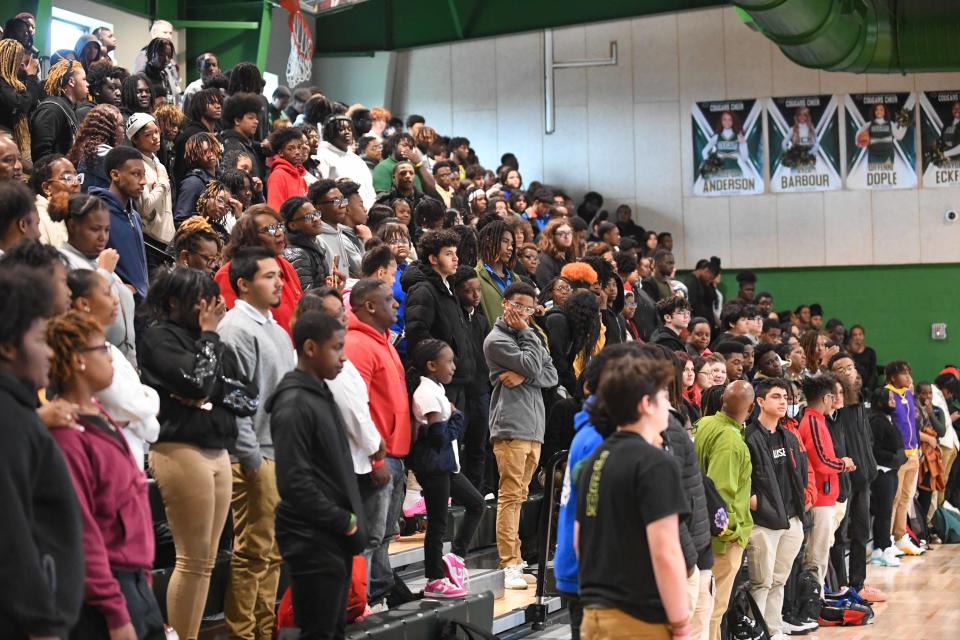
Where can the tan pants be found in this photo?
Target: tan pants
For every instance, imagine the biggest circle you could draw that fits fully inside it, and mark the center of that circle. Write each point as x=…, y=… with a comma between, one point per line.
x=516, y=460
x=613, y=624
x=700, y=621
x=770, y=556
x=949, y=457
x=693, y=589
x=817, y=553
x=907, y=477
x=255, y=566
x=195, y=486
x=725, y=568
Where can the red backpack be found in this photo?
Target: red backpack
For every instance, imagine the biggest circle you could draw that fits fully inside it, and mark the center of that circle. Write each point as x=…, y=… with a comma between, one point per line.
x=356, y=599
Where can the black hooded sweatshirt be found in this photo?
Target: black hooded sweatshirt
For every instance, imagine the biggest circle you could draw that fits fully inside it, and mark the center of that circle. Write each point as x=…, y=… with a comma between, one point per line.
x=318, y=489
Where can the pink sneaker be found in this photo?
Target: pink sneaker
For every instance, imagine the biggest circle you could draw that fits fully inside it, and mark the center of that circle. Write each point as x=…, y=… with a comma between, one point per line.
x=419, y=508
x=444, y=589
x=455, y=569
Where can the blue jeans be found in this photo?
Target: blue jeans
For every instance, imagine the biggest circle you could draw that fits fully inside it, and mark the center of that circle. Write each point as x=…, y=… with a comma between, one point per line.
x=382, y=507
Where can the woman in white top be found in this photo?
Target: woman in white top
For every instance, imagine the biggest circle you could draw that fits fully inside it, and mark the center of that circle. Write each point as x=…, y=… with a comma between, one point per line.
x=132, y=405
x=53, y=173
x=155, y=204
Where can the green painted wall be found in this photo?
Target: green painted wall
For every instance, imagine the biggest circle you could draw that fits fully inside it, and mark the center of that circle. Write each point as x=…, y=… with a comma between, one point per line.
x=895, y=304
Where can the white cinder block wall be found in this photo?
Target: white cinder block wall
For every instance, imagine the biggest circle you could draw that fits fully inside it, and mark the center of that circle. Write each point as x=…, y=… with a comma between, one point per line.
x=625, y=131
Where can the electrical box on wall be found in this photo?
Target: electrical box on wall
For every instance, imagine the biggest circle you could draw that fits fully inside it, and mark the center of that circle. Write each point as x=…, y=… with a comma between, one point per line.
x=938, y=331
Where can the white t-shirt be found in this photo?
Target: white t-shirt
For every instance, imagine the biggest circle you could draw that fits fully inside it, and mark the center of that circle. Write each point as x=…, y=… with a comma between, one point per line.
x=431, y=398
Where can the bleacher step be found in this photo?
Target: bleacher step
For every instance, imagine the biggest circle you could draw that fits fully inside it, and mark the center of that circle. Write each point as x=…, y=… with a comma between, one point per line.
x=518, y=617
x=478, y=581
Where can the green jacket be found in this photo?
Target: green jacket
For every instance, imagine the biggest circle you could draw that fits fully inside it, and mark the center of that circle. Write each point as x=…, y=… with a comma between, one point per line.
x=725, y=458
x=383, y=176
x=491, y=300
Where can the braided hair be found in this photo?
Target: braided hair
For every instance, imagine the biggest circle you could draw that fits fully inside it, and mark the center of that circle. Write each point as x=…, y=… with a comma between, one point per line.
x=66, y=335
x=213, y=188
x=193, y=151
x=59, y=75
x=128, y=93
x=191, y=231
x=11, y=53
x=489, y=238
x=103, y=125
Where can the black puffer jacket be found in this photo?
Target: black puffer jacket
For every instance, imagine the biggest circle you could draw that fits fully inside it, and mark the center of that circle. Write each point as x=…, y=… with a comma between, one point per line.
x=771, y=512
x=309, y=257
x=233, y=141
x=695, y=528
x=859, y=441
x=431, y=310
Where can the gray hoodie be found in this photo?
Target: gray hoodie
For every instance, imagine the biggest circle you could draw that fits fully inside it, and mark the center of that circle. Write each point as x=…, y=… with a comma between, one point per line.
x=518, y=413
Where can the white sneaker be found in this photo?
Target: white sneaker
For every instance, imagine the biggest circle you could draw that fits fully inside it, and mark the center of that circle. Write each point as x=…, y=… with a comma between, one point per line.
x=529, y=577
x=893, y=543
x=513, y=578
x=906, y=545
x=889, y=558
x=876, y=557
x=778, y=636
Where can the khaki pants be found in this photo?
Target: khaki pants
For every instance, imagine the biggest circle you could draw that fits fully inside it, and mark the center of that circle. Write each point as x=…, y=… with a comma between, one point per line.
x=255, y=566
x=195, y=486
x=693, y=589
x=817, y=553
x=613, y=624
x=516, y=460
x=770, y=556
x=839, y=515
x=725, y=568
x=700, y=621
x=949, y=457
x=907, y=476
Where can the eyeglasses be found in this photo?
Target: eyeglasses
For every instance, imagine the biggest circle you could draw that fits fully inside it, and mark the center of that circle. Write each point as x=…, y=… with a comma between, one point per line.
x=71, y=178
x=210, y=261
x=103, y=348
x=516, y=306
x=563, y=234
x=339, y=202
x=562, y=288
x=399, y=243
x=310, y=217
x=273, y=229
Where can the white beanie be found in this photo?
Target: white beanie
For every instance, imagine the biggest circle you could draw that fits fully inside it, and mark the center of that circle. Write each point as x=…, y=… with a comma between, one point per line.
x=136, y=122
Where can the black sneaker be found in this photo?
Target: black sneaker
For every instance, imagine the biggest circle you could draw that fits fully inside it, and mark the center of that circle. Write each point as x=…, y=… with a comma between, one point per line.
x=799, y=627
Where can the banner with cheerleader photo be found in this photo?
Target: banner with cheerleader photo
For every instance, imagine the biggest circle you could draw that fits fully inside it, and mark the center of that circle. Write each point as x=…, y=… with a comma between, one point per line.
x=727, y=148
x=881, y=149
x=803, y=142
x=940, y=138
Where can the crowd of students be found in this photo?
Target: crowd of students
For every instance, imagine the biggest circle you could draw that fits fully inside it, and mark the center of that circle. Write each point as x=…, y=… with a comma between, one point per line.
x=300, y=311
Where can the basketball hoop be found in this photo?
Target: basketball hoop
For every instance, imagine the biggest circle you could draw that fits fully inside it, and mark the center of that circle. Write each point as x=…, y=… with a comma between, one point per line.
x=300, y=60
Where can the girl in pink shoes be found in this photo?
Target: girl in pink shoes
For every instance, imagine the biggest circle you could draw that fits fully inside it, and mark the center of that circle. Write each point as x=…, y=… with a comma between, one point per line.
x=435, y=461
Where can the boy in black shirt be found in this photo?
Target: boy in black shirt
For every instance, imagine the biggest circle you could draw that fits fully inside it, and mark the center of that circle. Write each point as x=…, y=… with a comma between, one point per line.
x=629, y=506
x=776, y=500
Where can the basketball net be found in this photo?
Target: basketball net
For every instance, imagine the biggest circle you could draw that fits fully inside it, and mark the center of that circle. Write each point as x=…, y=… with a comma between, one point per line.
x=300, y=60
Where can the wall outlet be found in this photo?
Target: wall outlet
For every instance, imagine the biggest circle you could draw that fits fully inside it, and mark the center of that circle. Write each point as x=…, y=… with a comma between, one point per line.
x=938, y=331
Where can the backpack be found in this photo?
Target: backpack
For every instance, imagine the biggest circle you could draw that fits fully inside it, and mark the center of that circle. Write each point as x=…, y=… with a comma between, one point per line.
x=844, y=614
x=716, y=507
x=947, y=525
x=452, y=629
x=917, y=524
x=808, y=596
x=743, y=619
x=286, y=625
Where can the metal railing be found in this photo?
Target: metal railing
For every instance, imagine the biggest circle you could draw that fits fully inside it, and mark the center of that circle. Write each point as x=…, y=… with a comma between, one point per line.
x=552, y=489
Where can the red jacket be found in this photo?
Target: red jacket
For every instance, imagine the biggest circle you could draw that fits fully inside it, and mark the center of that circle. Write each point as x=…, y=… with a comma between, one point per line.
x=284, y=182
x=379, y=365
x=810, y=492
x=117, y=525
x=289, y=296
x=826, y=465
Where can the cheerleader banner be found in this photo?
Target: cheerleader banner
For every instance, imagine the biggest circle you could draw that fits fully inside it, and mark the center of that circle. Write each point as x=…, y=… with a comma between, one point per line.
x=940, y=138
x=727, y=149
x=881, y=151
x=803, y=142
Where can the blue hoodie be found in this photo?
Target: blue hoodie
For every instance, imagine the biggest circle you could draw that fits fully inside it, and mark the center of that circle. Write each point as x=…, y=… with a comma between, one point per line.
x=126, y=236
x=585, y=441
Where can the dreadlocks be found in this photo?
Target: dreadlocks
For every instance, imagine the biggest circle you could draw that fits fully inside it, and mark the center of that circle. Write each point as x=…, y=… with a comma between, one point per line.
x=59, y=76
x=67, y=335
x=196, y=146
x=214, y=188
x=11, y=53
x=191, y=231
x=490, y=237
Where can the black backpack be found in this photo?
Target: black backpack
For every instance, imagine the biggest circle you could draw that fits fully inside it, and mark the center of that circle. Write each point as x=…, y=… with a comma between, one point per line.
x=716, y=507
x=743, y=619
x=807, y=601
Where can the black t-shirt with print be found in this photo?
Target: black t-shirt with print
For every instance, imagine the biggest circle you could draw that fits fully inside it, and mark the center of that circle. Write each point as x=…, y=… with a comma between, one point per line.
x=624, y=486
x=777, y=444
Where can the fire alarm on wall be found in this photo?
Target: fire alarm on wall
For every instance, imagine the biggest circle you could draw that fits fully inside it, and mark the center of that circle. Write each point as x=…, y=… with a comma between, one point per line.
x=938, y=331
